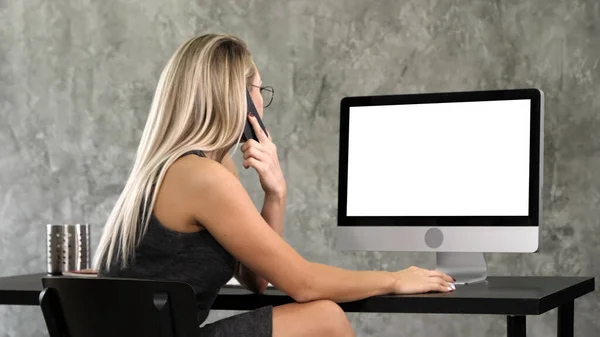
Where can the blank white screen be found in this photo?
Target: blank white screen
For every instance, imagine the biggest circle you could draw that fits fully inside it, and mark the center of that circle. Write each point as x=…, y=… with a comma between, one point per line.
x=441, y=159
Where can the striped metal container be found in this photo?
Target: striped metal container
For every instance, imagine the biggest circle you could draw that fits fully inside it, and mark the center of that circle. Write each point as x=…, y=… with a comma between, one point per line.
x=68, y=248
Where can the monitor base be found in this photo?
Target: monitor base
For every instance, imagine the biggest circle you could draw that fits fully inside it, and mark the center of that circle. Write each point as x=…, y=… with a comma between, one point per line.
x=465, y=268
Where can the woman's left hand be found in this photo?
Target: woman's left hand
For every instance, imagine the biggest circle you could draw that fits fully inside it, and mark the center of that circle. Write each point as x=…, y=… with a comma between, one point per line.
x=262, y=156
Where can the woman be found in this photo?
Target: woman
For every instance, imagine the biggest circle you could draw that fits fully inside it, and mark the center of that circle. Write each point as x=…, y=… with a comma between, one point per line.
x=183, y=214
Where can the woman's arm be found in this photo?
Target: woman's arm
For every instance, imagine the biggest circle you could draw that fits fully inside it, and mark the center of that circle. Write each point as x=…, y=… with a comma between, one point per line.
x=228, y=213
x=273, y=211
x=262, y=156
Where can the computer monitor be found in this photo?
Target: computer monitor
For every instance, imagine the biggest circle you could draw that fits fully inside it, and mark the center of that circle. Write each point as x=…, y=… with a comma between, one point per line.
x=458, y=174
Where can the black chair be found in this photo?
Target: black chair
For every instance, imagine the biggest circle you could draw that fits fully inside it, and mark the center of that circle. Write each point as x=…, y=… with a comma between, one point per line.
x=90, y=307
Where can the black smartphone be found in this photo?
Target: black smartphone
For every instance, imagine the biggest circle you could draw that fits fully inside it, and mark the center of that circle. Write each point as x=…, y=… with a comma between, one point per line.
x=248, y=129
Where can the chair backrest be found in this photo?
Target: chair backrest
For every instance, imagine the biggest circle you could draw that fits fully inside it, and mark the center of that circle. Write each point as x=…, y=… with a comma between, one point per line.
x=90, y=307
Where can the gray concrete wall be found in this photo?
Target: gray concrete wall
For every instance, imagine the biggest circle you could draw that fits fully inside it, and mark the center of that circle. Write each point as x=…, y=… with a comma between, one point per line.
x=77, y=77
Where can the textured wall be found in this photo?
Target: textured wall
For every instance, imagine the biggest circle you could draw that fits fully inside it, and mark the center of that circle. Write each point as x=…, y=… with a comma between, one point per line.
x=77, y=77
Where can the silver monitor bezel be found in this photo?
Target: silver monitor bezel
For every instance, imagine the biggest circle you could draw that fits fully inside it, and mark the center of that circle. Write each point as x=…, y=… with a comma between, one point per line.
x=460, y=234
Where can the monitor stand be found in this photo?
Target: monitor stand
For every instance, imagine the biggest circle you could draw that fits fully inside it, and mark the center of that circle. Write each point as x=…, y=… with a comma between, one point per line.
x=463, y=267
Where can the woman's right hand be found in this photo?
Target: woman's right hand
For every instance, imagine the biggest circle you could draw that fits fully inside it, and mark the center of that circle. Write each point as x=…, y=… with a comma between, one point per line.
x=415, y=280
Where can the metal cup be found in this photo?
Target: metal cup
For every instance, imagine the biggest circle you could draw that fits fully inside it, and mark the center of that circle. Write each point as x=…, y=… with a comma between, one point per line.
x=68, y=248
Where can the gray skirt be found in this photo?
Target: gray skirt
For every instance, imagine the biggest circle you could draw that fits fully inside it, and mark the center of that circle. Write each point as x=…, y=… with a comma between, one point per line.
x=256, y=323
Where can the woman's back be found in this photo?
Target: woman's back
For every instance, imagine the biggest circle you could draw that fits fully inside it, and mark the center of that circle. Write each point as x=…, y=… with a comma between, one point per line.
x=195, y=257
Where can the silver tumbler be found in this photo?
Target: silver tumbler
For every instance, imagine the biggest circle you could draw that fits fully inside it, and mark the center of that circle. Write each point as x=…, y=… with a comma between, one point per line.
x=68, y=248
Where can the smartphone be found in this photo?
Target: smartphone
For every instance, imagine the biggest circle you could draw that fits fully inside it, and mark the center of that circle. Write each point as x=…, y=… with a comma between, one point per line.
x=248, y=129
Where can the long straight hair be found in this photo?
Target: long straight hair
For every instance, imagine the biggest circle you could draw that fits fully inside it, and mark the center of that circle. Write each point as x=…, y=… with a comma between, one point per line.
x=199, y=103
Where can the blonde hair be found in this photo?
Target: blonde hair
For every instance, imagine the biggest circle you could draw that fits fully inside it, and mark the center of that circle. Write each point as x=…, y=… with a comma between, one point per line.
x=199, y=103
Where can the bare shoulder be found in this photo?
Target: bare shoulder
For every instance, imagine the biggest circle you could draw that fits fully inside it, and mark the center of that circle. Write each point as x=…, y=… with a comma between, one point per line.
x=210, y=190
x=198, y=173
x=187, y=182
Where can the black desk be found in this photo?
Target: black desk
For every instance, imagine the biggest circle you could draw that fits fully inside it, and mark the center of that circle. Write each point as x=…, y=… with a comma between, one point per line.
x=515, y=297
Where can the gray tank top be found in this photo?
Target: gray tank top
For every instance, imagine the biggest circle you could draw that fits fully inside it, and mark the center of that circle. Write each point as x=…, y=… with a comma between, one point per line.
x=196, y=258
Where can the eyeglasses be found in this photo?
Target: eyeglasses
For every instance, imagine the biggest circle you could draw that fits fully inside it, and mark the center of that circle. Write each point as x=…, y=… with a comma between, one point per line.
x=267, y=94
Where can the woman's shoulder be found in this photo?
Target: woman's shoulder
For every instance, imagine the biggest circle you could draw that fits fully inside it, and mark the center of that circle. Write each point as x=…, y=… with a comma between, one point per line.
x=193, y=174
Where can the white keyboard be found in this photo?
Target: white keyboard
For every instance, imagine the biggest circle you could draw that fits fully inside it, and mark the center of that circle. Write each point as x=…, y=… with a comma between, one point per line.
x=235, y=283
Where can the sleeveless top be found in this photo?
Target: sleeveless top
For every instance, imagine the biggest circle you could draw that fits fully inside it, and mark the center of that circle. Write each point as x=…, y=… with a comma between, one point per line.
x=195, y=258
